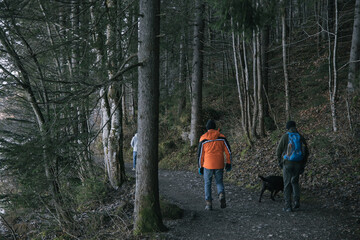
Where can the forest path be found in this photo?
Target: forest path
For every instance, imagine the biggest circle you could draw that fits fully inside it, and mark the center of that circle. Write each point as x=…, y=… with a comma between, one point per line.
x=245, y=218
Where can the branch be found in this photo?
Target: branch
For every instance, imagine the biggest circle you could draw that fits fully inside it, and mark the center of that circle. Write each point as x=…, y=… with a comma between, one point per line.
x=9, y=227
x=123, y=70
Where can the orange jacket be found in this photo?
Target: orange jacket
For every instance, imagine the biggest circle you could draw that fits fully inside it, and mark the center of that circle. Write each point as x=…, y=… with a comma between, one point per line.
x=211, y=150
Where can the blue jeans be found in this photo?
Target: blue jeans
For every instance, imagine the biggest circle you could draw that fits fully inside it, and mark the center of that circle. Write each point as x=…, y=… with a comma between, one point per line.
x=134, y=159
x=208, y=174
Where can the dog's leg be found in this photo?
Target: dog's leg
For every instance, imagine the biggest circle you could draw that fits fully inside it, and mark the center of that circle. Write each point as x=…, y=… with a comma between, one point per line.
x=276, y=192
x=272, y=196
x=262, y=191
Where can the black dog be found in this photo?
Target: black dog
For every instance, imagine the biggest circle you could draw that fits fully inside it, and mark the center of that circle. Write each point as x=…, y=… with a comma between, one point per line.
x=274, y=184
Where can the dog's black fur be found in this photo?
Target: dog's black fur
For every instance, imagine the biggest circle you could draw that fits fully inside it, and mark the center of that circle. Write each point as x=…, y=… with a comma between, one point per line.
x=274, y=184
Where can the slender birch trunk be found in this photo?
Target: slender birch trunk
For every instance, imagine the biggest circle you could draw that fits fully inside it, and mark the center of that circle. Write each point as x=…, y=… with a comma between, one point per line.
x=260, y=94
x=286, y=76
x=237, y=77
x=182, y=75
x=255, y=88
x=333, y=68
x=246, y=85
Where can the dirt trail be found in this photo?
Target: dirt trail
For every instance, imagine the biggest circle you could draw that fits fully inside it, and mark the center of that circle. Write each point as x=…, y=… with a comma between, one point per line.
x=245, y=218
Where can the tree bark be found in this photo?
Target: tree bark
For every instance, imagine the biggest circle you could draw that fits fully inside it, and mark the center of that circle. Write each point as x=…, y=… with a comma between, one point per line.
x=147, y=215
x=286, y=76
x=182, y=75
x=352, y=84
x=354, y=52
x=265, y=65
x=260, y=94
x=255, y=88
x=111, y=108
x=333, y=77
x=197, y=74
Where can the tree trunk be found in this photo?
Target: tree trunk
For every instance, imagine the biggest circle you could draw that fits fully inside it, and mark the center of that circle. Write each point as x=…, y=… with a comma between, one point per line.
x=354, y=53
x=197, y=74
x=259, y=90
x=112, y=110
x=333, y=77
x=255, y=88
x=147, y=215
x=246, y=79
x=353, y=84
x=286, y=76
x=265, y=65
x=182, y=75
x=237, y=77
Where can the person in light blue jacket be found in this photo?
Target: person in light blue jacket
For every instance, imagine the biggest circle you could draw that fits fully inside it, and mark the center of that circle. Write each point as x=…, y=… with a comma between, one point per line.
x=134, y=146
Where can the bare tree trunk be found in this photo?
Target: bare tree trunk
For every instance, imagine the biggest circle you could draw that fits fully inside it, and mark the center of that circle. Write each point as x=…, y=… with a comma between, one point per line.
x=286, y=76
x=147, y=217
x=114, y=161
x=197, y=74
x=246, y=79
x=353, y=85
x=237, y=77
x=260, y=94
x=333, y=77
x=255, y=88
x=265, y=65
x=182, y=75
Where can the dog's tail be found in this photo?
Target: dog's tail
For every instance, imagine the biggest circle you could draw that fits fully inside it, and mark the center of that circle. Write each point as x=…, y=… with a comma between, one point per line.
x=262, y=178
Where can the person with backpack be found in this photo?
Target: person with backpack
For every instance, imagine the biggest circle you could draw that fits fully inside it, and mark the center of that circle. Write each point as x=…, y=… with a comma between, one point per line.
x=211, y=151
x=292, y=153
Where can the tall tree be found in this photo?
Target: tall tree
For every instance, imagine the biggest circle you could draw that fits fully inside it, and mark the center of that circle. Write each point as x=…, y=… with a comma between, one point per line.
x=112, y=136
x=147, y=205
x=333, y=84
x=354, y=52
x=197, y=73
x=353, y=83
x=284, y=57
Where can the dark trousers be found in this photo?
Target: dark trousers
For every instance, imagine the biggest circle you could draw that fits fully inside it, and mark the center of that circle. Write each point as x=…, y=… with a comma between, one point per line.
x=291, y=172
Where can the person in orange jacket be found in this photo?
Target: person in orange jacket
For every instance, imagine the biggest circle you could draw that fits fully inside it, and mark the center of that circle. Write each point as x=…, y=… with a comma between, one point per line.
x=211, y=151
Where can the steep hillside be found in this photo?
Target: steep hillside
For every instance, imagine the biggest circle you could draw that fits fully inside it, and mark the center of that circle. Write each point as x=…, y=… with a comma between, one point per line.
x=333, y=171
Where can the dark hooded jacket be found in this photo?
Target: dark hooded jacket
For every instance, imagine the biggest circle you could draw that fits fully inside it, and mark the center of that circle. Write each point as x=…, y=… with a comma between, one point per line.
x=282, y=147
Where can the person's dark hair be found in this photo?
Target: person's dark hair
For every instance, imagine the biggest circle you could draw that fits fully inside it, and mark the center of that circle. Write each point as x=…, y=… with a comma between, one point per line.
x=290, y=124
x=210, y=124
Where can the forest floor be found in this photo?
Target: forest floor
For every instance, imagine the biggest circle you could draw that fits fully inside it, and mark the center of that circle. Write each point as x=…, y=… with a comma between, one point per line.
x=244, y=217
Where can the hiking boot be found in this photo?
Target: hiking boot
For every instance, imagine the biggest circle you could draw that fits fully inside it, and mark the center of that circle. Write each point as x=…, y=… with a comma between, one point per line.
x=208, y=205
x=287, y=209
x=297, y=204
x=222, y=200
